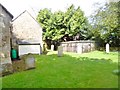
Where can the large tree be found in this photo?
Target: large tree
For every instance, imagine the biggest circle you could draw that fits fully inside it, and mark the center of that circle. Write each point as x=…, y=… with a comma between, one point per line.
x=106, y=25
x=63, y=26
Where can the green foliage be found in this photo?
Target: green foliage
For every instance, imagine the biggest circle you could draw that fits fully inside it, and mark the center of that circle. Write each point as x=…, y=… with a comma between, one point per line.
x=58, y=25
x=106, y=23
x=45, y=19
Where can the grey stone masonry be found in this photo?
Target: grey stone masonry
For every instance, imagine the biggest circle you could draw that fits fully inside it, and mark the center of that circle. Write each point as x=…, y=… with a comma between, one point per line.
x=5, y=48
x=81, y=46
x=26, y=33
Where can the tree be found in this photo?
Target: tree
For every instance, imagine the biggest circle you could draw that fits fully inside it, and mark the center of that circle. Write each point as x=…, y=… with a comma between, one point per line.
x=45, y=20
x=106, y=23
x=75, y=23
x=63, y=26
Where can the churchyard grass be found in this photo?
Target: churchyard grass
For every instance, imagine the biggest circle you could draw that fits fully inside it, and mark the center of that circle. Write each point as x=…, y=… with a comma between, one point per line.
x=72, y=70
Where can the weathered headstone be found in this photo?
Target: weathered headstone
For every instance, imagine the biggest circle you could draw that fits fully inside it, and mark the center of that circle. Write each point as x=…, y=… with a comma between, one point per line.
x=107, y=48
x=52, y=47
x=30, y=62
x=60, y=50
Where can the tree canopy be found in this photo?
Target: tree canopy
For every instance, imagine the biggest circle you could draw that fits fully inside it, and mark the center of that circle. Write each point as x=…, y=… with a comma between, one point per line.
x=106, y=24
x=63, y=26
x=73, y=25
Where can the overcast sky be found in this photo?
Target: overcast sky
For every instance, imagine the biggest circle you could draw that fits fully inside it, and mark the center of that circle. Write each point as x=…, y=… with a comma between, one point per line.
x=16, y=7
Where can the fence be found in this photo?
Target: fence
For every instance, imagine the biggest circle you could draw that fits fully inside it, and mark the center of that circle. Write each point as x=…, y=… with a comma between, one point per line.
x=78, y=46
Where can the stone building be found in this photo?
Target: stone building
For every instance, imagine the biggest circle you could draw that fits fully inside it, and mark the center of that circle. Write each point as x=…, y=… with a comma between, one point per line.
x=5, y=36
x=23, y=34
x=27, y=34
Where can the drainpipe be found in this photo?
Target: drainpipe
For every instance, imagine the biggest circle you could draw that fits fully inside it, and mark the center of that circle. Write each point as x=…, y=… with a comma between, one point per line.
x=11, y=37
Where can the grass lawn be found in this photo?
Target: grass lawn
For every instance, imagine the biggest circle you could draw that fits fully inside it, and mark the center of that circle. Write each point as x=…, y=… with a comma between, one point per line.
x=88, y=70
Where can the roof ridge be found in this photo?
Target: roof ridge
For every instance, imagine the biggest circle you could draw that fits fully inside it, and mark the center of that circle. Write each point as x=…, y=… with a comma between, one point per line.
x=6, y=10
x=19, y=15
x=28, y=13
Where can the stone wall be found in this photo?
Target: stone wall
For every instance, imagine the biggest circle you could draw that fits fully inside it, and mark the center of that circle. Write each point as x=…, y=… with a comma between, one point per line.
x=5, y=48
x=29, y=33
x=26, y=29
x=78, y=46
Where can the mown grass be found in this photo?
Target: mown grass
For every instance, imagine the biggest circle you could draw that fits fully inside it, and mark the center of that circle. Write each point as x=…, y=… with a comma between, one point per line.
x=89, y=70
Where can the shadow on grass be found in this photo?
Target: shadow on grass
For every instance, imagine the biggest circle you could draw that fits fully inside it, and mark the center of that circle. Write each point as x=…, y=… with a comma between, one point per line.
x=45, y=52
x=66, y=72
x=69, y=57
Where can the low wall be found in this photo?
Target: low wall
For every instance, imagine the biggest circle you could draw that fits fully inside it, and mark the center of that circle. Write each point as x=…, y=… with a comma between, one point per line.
x=78, y=46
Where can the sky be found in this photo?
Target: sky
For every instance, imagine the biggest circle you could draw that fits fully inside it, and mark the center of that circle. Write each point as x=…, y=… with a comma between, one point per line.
x=15, y=7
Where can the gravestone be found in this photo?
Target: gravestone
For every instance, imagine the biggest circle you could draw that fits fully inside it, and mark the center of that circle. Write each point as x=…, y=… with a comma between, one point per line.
x=52, y=47
x=30, y=62
x=107, y=48
x=60, y=51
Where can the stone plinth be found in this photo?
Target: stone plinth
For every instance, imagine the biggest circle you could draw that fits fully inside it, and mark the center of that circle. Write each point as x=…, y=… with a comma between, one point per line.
x=6, y=69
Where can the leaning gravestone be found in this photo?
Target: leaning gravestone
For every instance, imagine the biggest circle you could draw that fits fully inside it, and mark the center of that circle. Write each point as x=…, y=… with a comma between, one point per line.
x=107, y=48
x=60, y=51
x=30, y=62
